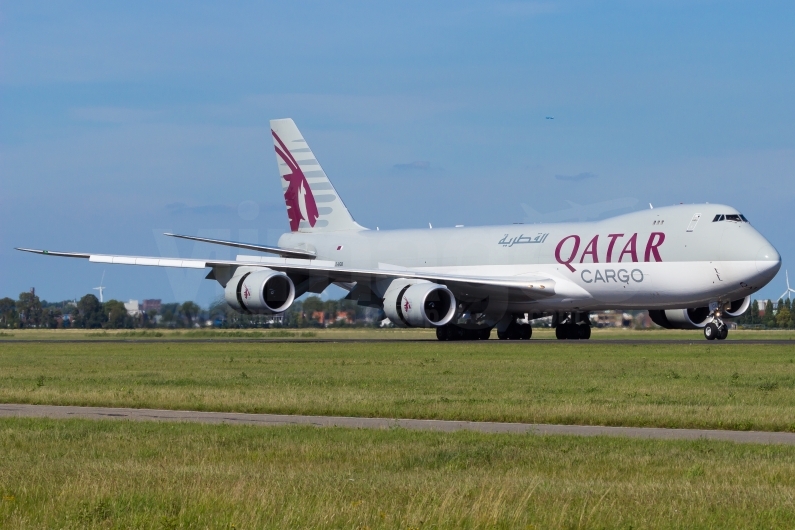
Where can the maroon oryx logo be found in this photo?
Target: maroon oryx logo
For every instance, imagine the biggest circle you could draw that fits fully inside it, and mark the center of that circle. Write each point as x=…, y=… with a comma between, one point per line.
x=406, y=305
x=246, y=292
x=300, y=201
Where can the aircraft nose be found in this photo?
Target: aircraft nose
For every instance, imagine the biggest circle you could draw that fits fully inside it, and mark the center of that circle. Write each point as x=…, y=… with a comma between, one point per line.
x=768, y=260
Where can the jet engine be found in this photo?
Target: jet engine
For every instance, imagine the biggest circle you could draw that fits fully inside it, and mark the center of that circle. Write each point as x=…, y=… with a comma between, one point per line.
x=693, y=318
x=737, y=308
x=419, y=304
x=262, y=291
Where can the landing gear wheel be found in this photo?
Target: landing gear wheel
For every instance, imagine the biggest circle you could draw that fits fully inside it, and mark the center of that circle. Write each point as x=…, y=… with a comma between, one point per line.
x=485, y=333
x=724, y=332
x=441, y=333
x=583, y=331
x=562, y=331
x=516, y=331
x=711, y=331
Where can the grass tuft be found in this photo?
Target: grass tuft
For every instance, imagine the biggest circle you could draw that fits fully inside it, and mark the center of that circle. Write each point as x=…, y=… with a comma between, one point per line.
x=103, y=474
x=601, y=384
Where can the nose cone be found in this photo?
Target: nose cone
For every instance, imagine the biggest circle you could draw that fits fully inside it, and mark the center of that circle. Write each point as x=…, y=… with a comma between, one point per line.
x=768, y=260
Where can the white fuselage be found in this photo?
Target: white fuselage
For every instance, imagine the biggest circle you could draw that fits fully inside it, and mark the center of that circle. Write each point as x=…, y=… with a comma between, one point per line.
x=662, y=258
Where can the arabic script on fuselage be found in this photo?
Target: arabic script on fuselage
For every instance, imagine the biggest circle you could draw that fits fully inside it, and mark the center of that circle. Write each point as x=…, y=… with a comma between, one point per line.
x=521, y=239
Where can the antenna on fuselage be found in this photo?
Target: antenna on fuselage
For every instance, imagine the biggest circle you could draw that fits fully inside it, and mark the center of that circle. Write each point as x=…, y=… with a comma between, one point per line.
x=651, y=207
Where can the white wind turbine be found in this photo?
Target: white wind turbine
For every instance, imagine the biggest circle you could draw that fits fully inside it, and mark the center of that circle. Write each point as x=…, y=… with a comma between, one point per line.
x=789, y=291
x=101, y=289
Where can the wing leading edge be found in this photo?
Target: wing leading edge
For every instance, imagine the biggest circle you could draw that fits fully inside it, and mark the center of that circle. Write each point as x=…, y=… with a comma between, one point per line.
x=536, y=287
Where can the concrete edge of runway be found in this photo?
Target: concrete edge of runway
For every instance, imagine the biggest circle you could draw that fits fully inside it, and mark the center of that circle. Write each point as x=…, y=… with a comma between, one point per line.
x=238, y=418
x=221, y=340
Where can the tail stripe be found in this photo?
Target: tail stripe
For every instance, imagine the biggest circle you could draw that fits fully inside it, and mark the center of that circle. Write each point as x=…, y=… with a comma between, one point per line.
x=298, y=194
x=305, y=184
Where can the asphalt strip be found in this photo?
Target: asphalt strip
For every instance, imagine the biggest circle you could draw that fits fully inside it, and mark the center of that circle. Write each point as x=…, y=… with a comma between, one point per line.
x=699, y=340
x=238, y=418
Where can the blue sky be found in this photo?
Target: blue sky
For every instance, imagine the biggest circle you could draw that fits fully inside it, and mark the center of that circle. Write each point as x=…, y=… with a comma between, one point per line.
x=119, y=121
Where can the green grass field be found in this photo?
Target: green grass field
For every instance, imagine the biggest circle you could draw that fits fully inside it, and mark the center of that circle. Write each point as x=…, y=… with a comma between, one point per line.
x=102, y=474
x=709, y=385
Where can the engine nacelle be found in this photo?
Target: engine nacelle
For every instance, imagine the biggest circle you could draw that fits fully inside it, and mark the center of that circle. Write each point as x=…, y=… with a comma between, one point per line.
x=419, y=304
x=258, y=292
x=737, y=308
x=692, y=318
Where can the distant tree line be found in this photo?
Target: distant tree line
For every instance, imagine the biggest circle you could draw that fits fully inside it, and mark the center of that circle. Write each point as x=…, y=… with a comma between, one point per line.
x=28, y=311
x=89, y=313
x=782, y=318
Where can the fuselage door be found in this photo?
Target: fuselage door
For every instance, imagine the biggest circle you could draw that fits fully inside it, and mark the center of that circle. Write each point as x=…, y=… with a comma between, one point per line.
x=693, y=222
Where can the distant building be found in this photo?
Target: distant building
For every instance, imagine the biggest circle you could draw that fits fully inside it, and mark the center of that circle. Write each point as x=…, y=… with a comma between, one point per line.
x=345, y=316
x=763, y=304
x=611, y=319
x=150, y=305
x=133, y=308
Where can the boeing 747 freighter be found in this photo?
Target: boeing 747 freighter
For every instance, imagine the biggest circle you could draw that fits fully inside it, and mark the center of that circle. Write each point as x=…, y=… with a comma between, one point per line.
x=690, y=266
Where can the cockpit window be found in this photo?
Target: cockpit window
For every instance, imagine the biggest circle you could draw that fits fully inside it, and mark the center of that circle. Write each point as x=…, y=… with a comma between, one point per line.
x=730, y=217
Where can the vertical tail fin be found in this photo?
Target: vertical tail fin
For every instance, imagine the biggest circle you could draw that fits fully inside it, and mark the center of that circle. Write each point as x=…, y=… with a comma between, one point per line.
x=313, y=205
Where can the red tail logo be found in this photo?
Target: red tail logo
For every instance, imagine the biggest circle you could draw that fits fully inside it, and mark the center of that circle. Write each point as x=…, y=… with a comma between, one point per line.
x=300, y=201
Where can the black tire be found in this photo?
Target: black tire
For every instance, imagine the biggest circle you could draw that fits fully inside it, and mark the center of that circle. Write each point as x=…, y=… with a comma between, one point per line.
x=724, y=332
x=471, y=334
x=485, y=333
x=583, y=331
x=711, y=331
x=441, y=333
x=573, y=332
x=525, y=332
x=562, y=331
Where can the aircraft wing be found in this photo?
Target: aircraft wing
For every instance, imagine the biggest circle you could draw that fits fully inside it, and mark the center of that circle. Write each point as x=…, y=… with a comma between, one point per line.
x=531, y=287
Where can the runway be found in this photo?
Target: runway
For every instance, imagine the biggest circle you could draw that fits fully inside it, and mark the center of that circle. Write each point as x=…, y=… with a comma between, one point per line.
x=237, y=418
x=265, y=340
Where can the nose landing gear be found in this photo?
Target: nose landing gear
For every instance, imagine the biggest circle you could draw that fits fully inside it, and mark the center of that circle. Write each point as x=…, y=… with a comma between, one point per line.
x=717, y=329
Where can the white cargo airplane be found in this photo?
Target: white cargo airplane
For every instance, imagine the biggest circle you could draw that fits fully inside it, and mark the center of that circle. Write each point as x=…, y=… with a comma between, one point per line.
x=691, y=266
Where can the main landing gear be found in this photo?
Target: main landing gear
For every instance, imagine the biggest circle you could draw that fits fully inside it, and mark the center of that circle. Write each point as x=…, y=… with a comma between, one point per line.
x=572, y=326
x=452, y=332
x=516, y=331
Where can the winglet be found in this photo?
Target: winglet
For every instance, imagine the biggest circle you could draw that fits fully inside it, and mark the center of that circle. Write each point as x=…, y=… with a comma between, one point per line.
x=53, y=253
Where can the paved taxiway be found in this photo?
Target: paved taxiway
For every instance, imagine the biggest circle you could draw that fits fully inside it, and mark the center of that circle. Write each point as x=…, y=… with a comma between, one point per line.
x=699, y=340
x=238, y=418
